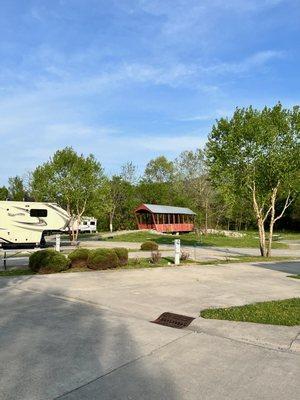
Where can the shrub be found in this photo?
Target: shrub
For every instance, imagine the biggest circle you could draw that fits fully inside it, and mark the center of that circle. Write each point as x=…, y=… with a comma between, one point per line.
x=122, y=254
x=149, y=245
x=185, y=255
x=47, y=261
x=103, y=259
x=155, y=257
x=79, y=257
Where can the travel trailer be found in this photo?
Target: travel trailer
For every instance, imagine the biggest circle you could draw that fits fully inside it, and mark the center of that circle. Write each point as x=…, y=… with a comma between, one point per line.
x=24, y=224
x=87, y=225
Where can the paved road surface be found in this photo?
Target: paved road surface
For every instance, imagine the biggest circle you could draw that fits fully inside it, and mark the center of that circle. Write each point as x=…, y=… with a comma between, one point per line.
x=88, y=336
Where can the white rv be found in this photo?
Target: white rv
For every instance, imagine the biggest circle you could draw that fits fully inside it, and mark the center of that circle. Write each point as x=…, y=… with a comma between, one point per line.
x=86, y=225
x=26, y=223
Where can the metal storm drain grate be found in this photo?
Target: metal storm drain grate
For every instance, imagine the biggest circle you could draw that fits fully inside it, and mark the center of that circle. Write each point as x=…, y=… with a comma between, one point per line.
x=173, y=320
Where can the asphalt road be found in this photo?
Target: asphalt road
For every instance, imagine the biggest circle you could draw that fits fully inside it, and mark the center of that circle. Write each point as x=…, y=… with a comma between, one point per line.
x=88, y=336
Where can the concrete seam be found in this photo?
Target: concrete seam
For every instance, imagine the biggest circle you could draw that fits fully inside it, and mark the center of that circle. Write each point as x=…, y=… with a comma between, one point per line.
x=246, y=342
x=121, y=366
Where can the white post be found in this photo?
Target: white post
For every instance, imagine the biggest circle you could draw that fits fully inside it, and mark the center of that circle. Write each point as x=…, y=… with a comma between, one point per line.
x=57, y=242
x=177, y=251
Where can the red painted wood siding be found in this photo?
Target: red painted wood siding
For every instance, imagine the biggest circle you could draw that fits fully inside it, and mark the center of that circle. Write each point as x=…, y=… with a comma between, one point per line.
x=168, y=227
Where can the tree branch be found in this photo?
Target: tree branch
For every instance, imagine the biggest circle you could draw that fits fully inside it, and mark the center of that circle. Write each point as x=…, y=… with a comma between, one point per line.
x=287, y=203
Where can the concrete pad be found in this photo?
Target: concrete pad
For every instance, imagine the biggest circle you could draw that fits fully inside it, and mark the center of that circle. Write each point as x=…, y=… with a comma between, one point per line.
x=50, y=346
x=268, y=336
x=88, y=336
x=199, y=366
x=295, y=345
x=146, y=293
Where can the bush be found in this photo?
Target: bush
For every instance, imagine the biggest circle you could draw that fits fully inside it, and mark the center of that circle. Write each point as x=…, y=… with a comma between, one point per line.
x=103, y=259
x=47, y=261
x=149, y=245
x=155, y=257
x=122, y=254
x=79, y=257
x=185, y=255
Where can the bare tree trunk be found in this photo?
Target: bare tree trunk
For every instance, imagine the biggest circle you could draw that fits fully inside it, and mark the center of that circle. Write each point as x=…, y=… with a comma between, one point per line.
x=206, y=217
x=111, y=222
x=273, y=219
x=73, y=231
x=262, y=237
x=260, y=223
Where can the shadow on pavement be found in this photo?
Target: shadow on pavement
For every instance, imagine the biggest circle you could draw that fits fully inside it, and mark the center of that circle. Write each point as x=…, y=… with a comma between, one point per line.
x=51, y=346
x=290, y=267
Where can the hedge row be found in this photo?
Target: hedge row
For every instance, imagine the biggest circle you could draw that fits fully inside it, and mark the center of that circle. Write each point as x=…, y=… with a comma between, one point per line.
x=47, y=261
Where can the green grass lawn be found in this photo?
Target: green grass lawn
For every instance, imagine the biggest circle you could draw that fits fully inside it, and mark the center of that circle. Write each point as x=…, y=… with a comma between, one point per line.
x=294, y=276
x=191, y=239
x=290, y=235
x=281, y=312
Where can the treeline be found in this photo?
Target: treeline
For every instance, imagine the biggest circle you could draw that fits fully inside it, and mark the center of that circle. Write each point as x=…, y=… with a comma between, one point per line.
x=247, y=176
x=80, y=185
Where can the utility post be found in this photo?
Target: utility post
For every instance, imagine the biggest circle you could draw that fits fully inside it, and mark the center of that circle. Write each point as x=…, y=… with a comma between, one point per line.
x=4, y=261
x=57, y=242
x=177, y=251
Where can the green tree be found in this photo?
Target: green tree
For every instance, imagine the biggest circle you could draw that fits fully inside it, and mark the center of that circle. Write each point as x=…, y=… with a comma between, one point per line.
x=16, y=189
x=156, y=184
x=3, y=193
x=159, y=169
x=256, y=154
x=69, y=179
x=191, y=183
x=113, y=196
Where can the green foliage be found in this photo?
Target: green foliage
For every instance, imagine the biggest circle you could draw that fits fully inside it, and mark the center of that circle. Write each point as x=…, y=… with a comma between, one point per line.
x=47, y=261
x=3, y=193
x=115, y=202
x=69, y=179
x=16, y=189
x=255, y=157
x=159, y=169
x=122, y=254
x=149, y=245
x=103, y=259
x=79, y=257
x=260, y=147
x=282, y=312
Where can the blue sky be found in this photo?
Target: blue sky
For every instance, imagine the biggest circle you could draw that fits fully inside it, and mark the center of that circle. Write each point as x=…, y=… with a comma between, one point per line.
x=133, y=79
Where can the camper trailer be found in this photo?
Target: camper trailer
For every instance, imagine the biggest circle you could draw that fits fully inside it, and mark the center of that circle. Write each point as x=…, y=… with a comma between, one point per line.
x=88, y=224
x=25, y=223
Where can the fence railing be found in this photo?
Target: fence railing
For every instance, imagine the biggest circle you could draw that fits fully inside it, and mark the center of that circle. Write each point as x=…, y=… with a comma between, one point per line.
x=10, y=255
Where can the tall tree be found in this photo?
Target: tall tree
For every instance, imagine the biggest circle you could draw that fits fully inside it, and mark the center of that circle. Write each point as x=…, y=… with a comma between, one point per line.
x=191, y=182
x=71, y=180
x=257, y=154
x=156, y=184
x=16, y=189
x=3, y=193
x=129, y=173
x=113, y=196
x=159, y=169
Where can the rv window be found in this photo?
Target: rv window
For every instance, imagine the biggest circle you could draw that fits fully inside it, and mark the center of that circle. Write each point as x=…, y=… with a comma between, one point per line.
x=92, y=223
x=85, y=223
x=38, y=213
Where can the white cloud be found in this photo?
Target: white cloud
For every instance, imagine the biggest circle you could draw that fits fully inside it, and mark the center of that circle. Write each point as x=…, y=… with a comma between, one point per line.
x=254, y=61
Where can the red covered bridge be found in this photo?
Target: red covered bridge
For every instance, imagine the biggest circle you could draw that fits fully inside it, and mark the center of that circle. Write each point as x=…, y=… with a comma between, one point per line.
x=165, y=218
